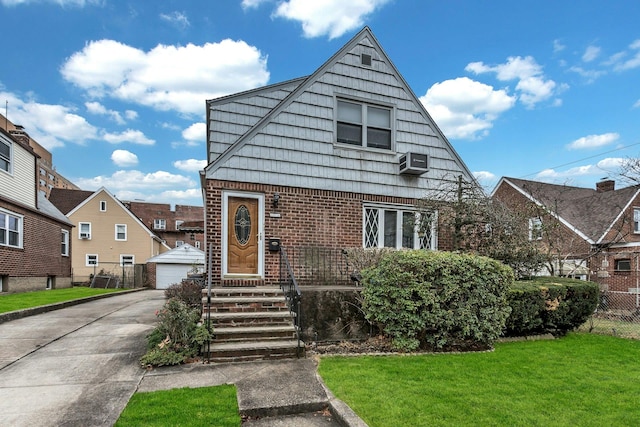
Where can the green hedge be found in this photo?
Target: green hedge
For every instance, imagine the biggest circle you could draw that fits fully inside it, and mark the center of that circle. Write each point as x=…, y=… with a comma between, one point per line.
x=550, y=305
x=435, y=300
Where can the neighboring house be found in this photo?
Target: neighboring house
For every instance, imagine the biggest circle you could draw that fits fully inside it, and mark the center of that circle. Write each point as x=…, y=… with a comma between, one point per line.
x=334, y=160
x=184, y=224
x=108, y=239
x=35, y=244
x=171, y=267
x=48, y=176
x=592, y=234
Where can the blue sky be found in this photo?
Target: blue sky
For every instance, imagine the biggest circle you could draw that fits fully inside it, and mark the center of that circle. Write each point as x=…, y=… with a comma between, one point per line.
x=542, y=90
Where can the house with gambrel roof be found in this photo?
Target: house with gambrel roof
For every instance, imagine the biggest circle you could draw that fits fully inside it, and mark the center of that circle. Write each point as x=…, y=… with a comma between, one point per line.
x=337, y=159
x=593, y=234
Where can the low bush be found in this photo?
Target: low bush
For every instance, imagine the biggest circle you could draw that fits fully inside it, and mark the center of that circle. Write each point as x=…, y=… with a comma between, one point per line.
x=436, y=300
x=188, y=292
x=550, y=305
x=177, y=337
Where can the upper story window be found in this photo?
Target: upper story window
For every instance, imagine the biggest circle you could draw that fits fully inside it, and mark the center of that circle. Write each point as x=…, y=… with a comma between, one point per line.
x=10, y=229
x=121, y=231
x=159, y=224
x=636, y=220
x=5, y=156
x=179, y=222
x=398, y=228
x=65, y=243
x=363, y=125
x=179, y=243
x=103, y=205
x=84, y=230
x=535, y=228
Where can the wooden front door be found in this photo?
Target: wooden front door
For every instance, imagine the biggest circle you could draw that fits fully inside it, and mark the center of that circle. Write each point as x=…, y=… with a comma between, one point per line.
x=243, y=236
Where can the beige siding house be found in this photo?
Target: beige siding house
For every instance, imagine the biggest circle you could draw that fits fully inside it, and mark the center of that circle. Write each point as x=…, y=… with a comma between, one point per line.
x=108, y=238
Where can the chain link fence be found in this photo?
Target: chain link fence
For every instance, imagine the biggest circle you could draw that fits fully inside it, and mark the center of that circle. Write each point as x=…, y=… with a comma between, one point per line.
x=617, y=314
x=114, y=275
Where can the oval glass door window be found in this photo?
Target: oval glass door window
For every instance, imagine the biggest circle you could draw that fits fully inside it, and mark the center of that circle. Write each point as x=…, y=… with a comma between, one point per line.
x=242, y=225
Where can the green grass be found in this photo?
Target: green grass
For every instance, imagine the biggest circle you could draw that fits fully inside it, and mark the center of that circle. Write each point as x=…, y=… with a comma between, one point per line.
x=578, y=380
x=11, y=302
x=185, y=407
x=612, y=327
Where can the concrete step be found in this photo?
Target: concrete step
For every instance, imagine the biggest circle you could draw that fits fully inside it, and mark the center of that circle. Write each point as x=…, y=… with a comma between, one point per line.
x=264, y=291
x=239, y=333
x=259, y=318
x=255, y=350
x=245, y=304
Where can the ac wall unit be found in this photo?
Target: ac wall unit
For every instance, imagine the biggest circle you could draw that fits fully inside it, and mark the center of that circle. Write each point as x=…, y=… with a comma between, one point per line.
x=84, y=235
x=413, y=164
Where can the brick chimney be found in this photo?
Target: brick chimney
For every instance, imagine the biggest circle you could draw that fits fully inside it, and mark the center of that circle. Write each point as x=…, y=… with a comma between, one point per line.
x=20, y=134
x=605, y=185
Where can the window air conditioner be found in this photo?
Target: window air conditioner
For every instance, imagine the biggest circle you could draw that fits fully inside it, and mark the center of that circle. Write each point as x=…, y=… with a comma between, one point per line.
x=85, y=235
x=413, y=164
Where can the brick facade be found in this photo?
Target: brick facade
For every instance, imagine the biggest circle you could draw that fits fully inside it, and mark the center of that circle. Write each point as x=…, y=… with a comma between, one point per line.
x=149, y=212
x=304, y=218
x=30, y=267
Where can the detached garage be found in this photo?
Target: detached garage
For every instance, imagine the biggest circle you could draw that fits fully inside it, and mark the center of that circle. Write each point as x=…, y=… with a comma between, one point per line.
x=172, y=266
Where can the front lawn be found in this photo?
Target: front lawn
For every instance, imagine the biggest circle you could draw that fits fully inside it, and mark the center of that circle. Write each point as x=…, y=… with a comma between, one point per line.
x=12, y=302
x=185, y=407
x=578, y=380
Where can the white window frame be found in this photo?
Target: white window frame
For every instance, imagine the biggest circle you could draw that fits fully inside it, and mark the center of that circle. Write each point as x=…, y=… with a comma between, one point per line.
x=400, y=211
x=636, y=220
x=364, y=123
x=197, y=244
x=89, y=257
x=5, y=159
x=64, y=247
x=159, y=224
x=128, y=257
x=179, y=243
x=103, y=205
x=81, y=225
x=179, y=222
x=5, y=230
x=51, y=280
x=535, y=228
x=124, y=239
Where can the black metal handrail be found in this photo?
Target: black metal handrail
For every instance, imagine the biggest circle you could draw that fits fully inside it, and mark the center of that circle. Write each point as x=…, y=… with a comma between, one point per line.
x=292, y=293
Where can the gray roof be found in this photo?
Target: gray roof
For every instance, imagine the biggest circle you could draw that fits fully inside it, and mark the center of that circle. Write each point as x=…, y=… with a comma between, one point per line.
x=588, y=211
x=47, y=208
x=185, y=254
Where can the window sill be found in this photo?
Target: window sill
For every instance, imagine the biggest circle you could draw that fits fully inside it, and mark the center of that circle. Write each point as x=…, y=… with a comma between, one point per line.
x=340, y=145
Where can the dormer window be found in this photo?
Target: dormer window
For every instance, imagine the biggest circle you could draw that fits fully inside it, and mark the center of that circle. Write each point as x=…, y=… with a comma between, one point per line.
x=363, y=125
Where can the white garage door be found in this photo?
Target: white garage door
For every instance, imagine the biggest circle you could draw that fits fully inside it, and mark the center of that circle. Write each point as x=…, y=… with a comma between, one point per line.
x=168, y=274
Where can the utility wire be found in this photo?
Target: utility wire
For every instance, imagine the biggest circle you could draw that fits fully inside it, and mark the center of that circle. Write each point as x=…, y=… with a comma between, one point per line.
x=583, y=159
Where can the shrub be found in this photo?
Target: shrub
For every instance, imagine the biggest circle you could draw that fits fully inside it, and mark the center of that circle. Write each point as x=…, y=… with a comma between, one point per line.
x=188, y=292
x=426, y=299
x=176, y=337
x=550, y=305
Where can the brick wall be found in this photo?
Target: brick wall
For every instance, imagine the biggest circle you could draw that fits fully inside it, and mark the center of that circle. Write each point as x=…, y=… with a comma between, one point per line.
x=40, y=257
x=151, y=274
x=303, y=218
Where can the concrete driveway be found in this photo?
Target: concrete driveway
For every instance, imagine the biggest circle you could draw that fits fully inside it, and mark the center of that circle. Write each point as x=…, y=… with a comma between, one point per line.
x=76, y=366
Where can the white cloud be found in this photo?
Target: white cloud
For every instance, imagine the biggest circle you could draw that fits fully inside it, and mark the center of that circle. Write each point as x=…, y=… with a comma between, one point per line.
x=166, y=78
x=593, y=141
x=134, y=180
x=177, y=19
x=253, y=4
x=558, y=46
x=607, y=165
x=190, y=165
x=464, y=108
x=589, y=75
x=51, y=125
x=620, y=61
x=129, y=135
x=532, y=85
x=99, y=109
x=591, y=53
x=196, y=133
x=332, y=18
x=637, y=104
x=124, y=158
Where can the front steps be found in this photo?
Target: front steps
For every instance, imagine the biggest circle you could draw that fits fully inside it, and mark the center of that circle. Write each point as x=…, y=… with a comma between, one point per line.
x=250, y=324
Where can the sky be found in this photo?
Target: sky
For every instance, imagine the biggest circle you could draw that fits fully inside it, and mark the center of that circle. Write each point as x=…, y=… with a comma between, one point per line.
x=116, y=90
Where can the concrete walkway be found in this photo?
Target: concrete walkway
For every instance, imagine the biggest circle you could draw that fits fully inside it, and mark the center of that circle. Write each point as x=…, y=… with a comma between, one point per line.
x=78, y=366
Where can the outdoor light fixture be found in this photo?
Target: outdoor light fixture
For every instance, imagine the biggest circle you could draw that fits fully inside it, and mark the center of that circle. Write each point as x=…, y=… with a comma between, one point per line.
x=276, y=200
